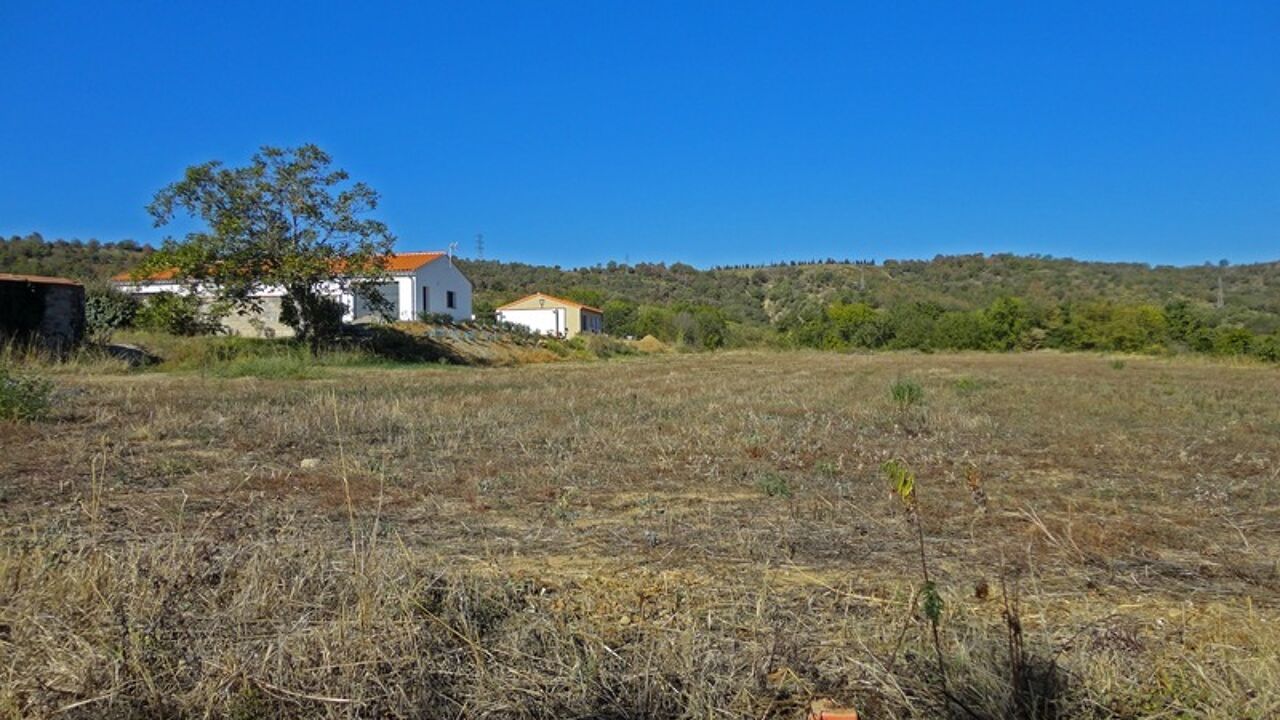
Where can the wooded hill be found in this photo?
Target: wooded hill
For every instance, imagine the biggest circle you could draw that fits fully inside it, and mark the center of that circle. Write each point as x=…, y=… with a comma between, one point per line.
x=86, y=261
x=995, y=302
x=780, y=295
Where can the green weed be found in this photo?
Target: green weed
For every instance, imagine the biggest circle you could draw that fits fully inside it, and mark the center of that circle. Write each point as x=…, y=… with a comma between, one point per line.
x=774, y=485
x=906, y=393
x=24, y=397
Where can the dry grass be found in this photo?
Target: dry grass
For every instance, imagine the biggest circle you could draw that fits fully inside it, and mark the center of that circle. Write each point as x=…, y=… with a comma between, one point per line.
x=611, y=540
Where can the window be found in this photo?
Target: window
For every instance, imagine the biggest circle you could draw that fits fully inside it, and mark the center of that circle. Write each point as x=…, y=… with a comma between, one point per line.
x=426, y=297
x=448, y=300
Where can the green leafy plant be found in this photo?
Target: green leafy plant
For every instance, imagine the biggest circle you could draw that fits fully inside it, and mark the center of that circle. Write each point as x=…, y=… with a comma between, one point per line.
x=107, y=309
x=435, y=318
x=175, y=314
x=903, y=482
x=774, y=485
x=906, y=393
x=24, y=397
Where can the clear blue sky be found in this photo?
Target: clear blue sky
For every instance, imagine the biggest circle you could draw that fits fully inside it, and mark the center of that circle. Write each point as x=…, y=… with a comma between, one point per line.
x=706, y=132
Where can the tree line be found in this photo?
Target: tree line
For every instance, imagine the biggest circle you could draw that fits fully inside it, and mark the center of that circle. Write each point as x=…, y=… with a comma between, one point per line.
x=84, y=260
x=289, y=219
x=1012, y=323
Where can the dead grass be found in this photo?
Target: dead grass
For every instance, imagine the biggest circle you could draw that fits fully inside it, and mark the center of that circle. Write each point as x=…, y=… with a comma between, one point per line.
x=595, y=539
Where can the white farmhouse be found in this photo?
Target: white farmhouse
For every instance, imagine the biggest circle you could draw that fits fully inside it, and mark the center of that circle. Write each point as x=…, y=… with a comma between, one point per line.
x=420, y=282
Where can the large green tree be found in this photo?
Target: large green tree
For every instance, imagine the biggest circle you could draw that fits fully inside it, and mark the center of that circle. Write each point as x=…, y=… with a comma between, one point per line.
x=287, y=220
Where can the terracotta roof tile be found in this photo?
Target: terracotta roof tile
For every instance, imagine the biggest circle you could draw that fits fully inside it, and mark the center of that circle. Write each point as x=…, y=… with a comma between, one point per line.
x=398, y=263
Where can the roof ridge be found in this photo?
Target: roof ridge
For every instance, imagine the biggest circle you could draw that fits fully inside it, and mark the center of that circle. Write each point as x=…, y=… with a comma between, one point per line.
x=556, y=298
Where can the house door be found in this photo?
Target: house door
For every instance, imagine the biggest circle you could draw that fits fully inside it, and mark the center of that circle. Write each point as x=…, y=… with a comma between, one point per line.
x=426, y=299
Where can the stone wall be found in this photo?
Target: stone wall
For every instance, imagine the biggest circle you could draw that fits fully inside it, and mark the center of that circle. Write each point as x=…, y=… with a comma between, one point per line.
x=50, y=310
x=63, y=322
x=265, y=323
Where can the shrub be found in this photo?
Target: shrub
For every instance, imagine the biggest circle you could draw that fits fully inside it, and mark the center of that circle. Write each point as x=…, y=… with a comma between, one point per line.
x=603, y=346
x=906, y=392
x=435, y=318
x=107, y=309
x=1232, y=341
x=774, y=485
x=1267, y=348
x=175, y=314
x=24, y=397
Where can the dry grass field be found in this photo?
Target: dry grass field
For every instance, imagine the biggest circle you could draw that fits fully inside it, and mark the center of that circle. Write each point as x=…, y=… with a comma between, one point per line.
x=677, y=536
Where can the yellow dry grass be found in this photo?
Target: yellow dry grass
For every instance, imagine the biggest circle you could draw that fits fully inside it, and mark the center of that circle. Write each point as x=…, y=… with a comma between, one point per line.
x=681, y=535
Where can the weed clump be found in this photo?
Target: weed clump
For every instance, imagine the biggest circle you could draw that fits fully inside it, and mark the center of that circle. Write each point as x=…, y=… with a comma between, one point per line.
x=906, y=393
x=774, y=485
x=24, y=397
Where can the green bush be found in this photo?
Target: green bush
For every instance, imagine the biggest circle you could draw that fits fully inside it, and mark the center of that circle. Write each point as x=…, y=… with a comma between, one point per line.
x=603, y=346
x=1267, y=348
x=774, y=485
x=107, y=309
x=1232, y=341
x=175, y=314
x=24, y=397
x=435, y=318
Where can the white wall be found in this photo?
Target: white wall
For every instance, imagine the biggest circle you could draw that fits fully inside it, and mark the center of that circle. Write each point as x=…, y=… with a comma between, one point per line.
x=547, y=321
x=404, y=298
x=440, y=277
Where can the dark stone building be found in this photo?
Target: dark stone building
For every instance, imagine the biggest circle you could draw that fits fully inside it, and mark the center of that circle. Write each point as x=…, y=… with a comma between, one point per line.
x=49, y=310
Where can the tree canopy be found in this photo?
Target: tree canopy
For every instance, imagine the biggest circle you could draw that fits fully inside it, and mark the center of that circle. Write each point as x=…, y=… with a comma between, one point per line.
x=287, y=220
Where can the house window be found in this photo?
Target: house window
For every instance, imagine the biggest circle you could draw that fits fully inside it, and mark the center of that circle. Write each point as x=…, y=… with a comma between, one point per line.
x=448, y=299
x=426, y=297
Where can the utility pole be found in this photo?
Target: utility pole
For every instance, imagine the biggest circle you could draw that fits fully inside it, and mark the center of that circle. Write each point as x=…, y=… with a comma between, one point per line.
x=479, y=246
x=1222, y=268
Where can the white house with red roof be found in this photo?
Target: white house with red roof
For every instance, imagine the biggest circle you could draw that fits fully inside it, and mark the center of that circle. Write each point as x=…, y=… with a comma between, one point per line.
x=419, y=283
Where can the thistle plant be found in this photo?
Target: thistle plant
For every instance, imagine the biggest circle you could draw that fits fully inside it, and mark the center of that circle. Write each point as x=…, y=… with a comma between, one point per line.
x=903, y=482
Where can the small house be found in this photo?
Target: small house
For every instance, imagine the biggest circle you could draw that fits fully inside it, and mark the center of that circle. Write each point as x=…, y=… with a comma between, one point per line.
x=49, y=310
x=549, y=315
x=419, y=283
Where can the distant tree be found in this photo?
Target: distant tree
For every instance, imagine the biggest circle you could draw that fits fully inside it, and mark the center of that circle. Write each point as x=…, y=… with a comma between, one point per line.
x=1006, y=318
x=619, y=317
x=586, y=296
x=656, y=321
x=852, y=325
x=284, y=220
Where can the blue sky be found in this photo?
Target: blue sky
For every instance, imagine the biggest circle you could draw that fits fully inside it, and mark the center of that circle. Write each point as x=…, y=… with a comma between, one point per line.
x=572, y=133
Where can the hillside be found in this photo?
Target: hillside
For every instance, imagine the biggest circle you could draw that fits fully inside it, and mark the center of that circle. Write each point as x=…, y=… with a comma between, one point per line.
x=965, y=302
x=86, y=261
x=780, y=294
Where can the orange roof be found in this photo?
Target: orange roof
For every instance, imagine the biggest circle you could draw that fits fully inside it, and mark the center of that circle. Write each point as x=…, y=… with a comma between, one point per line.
x=408, y=262
x=552, y=298
x=398, y=263
x=127, y=275
x=37, y=279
